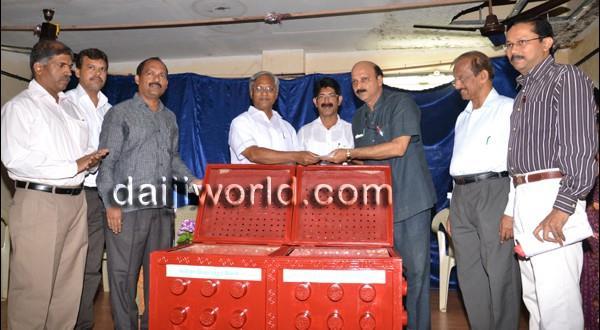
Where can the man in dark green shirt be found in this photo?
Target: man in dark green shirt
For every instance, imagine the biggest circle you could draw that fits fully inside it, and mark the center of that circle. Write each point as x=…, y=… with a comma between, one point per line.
x=387, y=130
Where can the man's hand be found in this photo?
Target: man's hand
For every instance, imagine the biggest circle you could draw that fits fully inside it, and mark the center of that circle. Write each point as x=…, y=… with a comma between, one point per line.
x=551, y=227
x=114, y=219
x=337, y=156
x=506, y=228
x=90, y=160
x=306, y=158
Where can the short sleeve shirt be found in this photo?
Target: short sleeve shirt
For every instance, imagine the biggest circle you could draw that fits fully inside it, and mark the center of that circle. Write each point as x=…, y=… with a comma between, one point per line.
x=395, y=115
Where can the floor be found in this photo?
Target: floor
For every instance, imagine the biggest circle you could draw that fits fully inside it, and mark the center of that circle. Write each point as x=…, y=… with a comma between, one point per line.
x=454, y=318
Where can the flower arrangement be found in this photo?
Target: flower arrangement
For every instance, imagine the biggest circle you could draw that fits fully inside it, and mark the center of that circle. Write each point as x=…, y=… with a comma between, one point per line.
x=186, y=232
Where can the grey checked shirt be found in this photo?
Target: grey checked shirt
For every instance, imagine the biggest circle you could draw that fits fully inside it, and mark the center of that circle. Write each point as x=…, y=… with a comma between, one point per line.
x=144, y=146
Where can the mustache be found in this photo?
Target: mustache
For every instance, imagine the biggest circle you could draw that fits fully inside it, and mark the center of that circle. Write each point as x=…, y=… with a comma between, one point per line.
x=516, y=57
x=155, y=83
x=326, y=105
x=358, y=91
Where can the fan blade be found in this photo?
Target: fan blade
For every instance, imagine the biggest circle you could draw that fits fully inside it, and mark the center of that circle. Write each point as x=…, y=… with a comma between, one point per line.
x=535, y=11
x=451, y=28
x=485, y=5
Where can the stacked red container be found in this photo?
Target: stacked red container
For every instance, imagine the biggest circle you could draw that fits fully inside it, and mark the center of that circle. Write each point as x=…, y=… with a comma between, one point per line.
x=251, y=267
x=343, y=271
x=219, y=281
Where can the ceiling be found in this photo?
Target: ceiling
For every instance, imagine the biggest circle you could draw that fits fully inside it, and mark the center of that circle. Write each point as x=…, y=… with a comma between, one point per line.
x=375, y=31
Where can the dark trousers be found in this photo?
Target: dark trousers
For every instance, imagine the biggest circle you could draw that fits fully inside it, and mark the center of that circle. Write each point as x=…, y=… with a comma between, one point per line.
x=143, y=231
x=488, y=272
x=96, y=217
x=411, y=240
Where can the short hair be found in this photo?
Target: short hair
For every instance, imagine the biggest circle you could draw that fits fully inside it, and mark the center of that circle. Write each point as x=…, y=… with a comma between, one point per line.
x=45, y=49
x=91, y=53
x=140, y=67
x=326, y=82
x=378, y=71
x=479, y=62
x=541, y=26
x=260, y=74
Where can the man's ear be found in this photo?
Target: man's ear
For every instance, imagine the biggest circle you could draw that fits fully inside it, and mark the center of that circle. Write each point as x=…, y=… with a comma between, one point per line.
x=548, y=42
x=340, y=100
x=137, y=80
x=315, y=101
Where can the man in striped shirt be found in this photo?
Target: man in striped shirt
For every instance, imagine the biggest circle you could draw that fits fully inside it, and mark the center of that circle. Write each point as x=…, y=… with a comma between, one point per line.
x=552, y=144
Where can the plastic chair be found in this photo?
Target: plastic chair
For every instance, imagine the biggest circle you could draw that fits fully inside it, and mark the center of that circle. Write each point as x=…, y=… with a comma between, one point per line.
x=446, y=255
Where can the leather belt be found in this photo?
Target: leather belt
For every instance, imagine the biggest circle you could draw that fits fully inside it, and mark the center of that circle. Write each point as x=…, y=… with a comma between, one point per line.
x=520, y=179
x=466, y=179
x=90, y=188
x=49, y=188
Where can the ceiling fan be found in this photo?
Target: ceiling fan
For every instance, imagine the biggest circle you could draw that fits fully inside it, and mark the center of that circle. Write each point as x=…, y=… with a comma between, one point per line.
x=493, y=28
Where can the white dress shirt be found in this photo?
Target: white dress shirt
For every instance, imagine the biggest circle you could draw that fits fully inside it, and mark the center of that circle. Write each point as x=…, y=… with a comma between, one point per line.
x=253, y=128
x=481, y=137
x=42, y=139
x=316, y=138
x=93, y=116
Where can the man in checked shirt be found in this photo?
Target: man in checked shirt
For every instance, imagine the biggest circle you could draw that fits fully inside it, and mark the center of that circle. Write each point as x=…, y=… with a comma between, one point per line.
x=552, y=144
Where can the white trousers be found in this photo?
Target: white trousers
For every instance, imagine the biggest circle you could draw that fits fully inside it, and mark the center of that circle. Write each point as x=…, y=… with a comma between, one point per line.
x=550, y=280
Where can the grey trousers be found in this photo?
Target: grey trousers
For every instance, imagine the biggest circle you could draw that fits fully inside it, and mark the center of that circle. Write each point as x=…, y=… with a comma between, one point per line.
x=411, y=240
x=96, y=218
x=143, y=231
x=488, y=272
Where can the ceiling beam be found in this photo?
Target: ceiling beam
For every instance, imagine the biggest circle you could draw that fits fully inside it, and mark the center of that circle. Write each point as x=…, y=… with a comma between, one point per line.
x=415, y=4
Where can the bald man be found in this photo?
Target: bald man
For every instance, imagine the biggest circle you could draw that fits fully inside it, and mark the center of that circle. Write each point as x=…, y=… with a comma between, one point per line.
x=387, y=131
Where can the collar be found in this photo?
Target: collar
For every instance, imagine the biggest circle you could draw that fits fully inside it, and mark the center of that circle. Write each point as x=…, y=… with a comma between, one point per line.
x=38, y=90
x=254, y=112
x=492, y=95
x=334, y=125
x=538, y=71
x=81, y=93
x=139, y=102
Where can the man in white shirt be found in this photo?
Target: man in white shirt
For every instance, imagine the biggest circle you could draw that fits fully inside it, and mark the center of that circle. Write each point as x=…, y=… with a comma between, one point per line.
x=260, y=135
x=329, y=131
x=91, y=66
x=481, y=217
x=45, y=150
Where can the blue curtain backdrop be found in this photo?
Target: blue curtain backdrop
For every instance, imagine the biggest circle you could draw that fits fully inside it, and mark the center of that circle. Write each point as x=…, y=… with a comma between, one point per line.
x=205, y=106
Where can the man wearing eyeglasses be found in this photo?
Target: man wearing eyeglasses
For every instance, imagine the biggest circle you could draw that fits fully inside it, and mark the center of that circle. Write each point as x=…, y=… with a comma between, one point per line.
x=552, y=144
x=488, y=271
x=260, y=135
x=387, y=130
x=328, y=132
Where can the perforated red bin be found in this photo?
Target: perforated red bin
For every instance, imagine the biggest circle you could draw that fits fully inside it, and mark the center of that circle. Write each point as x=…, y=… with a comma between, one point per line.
x=219, y=281
x=343, y=272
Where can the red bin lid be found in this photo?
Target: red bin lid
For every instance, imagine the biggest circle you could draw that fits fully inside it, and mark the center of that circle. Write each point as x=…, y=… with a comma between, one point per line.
x=245, y=204
x=343, y=206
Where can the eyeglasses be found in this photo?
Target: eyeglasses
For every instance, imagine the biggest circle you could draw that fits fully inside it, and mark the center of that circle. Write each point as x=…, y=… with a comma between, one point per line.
x=266, y=89
x=520, y=43
x=321, y=97
x=462, y=79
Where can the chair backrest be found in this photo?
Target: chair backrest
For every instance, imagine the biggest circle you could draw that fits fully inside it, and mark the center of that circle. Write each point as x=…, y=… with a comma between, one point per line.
x=441, y=219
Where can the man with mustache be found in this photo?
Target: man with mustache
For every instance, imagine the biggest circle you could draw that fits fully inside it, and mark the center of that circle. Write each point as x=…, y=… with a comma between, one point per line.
x=551, y=149
x=488, y=271
x=387, y=131
x=329, y=131
x=91, y=66
x=260, y=135
x=46, y=151
x=143, y=137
